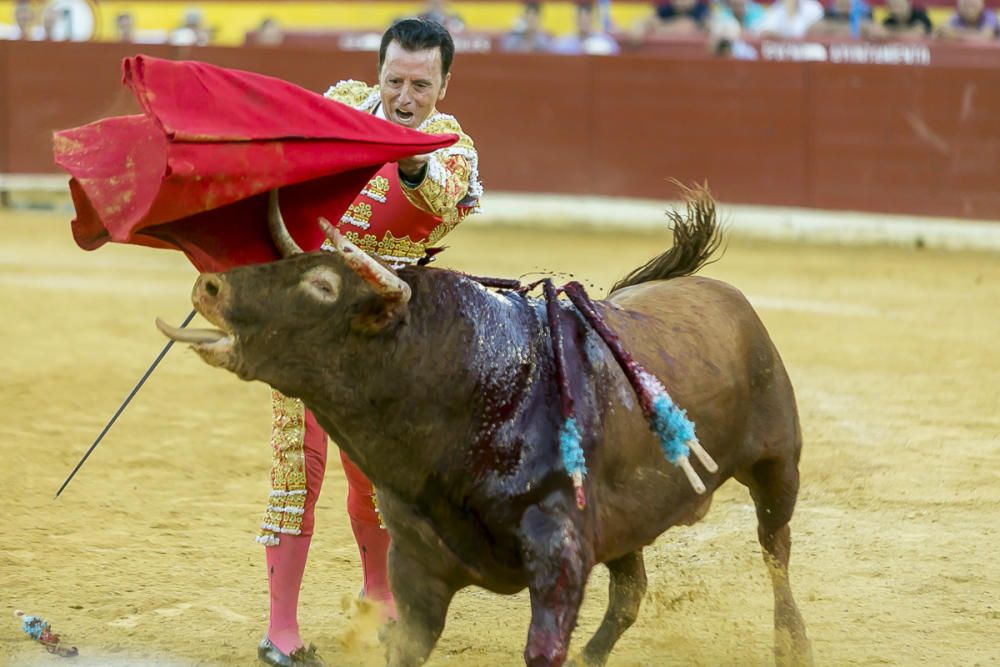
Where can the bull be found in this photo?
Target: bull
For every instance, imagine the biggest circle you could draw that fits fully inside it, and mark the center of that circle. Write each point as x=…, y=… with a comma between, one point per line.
x=442, y=392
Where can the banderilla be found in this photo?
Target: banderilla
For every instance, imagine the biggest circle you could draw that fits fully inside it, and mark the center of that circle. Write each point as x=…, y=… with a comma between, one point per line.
x=124, y=405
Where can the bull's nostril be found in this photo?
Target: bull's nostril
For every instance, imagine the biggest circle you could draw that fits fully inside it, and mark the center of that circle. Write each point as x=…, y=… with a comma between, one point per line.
x=208, y=286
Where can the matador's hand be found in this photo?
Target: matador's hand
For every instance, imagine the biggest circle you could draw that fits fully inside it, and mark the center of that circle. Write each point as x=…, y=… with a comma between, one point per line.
x=413, y=167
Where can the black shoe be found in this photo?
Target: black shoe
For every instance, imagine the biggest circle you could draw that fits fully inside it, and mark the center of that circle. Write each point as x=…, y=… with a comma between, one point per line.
x=269, y=654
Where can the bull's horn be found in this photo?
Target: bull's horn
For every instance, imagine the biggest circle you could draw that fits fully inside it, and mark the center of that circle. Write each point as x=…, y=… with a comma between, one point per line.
x=384, y=281
x=333, y=234
x=279, y=232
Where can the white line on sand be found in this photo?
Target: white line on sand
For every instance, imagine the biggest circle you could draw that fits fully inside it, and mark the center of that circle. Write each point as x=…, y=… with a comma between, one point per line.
x=816, y=307
x=84, y=283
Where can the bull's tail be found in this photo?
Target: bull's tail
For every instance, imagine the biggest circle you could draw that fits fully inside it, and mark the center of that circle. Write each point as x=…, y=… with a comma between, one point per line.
x=696, y=237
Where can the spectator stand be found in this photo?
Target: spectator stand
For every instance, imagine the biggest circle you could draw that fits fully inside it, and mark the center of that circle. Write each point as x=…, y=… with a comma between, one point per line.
x=310, y=22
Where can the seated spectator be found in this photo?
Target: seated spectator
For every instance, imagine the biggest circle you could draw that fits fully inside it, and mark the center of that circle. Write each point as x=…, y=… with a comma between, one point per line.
x=746, y=14
x=528, y=34
x=674, y=17
x=192, y=32
x=438, y=11
x=25, y=26
x=790, y=19
x=971, y=22
x=124, y=27
x=25, y=21
x=268, y=33
x=586, y=39
x=125, y=31
x=725, y=41
x=904, y=22
x=839, y=20
x=66, y=20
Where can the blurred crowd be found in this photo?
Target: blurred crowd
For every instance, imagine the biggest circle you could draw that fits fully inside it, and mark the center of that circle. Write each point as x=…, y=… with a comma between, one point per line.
x=74, y=20
x=729, y=27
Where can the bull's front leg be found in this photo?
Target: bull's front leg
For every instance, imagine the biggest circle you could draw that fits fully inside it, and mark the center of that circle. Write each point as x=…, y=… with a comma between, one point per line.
x=557, y=561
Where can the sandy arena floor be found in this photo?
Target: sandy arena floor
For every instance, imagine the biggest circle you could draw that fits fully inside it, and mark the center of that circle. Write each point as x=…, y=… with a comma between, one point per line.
x=149, y=558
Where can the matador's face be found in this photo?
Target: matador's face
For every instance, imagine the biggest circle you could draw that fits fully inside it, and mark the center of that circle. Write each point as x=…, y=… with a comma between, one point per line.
x=411, y=84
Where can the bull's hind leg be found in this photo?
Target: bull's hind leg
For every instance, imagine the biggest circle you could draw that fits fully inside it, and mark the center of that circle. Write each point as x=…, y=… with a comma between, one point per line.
x=774, y=485
x=625, y=591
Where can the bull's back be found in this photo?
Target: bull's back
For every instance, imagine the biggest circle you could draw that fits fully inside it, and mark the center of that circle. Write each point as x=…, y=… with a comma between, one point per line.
x=696, y=334
x=701, y=338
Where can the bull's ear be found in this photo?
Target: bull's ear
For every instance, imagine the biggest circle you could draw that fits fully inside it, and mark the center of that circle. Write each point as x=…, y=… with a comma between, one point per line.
x=378, y=314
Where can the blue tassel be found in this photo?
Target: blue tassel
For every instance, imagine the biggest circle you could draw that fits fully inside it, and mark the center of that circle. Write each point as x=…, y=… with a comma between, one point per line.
x=673, y=428
x=571, y=449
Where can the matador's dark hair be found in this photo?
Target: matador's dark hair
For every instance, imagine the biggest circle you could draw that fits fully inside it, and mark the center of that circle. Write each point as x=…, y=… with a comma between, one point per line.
x=417, y=35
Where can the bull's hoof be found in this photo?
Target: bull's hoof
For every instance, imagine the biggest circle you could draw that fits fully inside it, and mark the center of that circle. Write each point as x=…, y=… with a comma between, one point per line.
x=576, y=661
x=269, y=654
x=585, y=660
x=385, y=631
x=792, y=649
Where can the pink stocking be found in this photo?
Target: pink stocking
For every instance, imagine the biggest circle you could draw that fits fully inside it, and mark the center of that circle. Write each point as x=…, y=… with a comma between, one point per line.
x=373, y=540
x=285, y=564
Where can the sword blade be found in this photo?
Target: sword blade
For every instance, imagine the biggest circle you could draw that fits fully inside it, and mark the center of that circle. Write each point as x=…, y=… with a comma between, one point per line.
x=124, y=404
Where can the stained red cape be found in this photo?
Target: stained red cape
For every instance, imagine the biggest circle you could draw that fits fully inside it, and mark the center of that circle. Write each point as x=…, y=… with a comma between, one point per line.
x=193, y=171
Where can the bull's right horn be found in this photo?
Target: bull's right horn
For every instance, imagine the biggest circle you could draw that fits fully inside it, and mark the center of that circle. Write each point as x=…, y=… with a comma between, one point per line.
x=279, y=232
x=384, y=281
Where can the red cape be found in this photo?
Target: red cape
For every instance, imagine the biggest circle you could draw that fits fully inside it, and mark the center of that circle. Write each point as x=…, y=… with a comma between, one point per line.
x=193, y=171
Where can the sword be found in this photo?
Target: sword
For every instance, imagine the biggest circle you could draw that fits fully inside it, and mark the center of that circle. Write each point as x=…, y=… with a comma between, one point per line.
x=124, y=404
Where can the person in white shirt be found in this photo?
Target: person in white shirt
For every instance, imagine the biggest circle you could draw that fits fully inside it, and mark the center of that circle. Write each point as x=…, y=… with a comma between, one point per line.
x=790, y=19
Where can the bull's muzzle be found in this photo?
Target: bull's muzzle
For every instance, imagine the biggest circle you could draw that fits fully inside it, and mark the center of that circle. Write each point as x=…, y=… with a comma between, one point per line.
x=214, y=346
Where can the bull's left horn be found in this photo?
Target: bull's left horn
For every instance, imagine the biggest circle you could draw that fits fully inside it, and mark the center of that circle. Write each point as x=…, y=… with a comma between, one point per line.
x=279, y=232
x=384, y=281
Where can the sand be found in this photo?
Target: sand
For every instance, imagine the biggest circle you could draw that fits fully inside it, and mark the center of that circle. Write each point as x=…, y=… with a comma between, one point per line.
x=148, y=558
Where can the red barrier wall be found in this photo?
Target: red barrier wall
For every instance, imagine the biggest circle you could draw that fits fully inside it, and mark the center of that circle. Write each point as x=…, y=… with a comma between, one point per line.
x=5, y=124
x=918, y=140
x=927, y=142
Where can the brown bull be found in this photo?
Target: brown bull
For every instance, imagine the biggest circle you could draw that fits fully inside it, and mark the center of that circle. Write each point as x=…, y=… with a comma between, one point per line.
x=442, y=392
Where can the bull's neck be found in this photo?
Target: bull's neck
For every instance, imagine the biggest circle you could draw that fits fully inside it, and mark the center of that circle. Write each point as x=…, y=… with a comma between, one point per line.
x=416, y=403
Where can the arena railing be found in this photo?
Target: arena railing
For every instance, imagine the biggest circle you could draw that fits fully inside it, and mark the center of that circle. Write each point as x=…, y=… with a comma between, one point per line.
x=918, y=139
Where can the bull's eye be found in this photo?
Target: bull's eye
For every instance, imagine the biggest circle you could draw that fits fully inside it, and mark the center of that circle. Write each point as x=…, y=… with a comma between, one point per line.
x=322, y=283
x=323, y=286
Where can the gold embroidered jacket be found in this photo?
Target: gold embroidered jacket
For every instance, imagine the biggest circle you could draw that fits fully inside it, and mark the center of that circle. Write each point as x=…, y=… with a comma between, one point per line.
x=449, y=191
x=451, y=187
